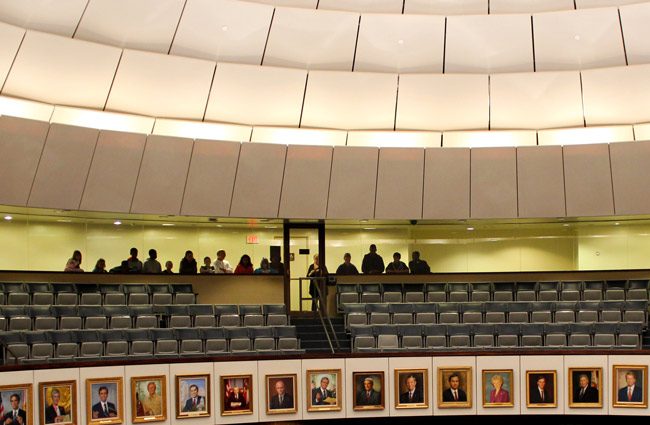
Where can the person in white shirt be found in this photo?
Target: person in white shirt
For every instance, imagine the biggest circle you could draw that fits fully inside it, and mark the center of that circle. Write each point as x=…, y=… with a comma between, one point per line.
x=221, y=265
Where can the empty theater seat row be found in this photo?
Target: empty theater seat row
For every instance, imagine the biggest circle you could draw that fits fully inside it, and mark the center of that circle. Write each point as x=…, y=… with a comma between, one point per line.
x=615, y=290
x=39, y=347
x=486, y=336
x=497, y=312
x=150, y=316
x=94, y=294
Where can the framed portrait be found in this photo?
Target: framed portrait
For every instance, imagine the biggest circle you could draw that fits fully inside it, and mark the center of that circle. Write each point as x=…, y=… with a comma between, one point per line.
x=630, y=386
x=149, y=398
x=369, y=391
x=237, y=395
x=585, y=387
x=105, y=400
x=192, y=396
x=454, y=387
x=411, y=389
x=498, y=388
x=16, y=404
x=322, y=390
x=281, y=395
x=541, y=388
x=58, y=402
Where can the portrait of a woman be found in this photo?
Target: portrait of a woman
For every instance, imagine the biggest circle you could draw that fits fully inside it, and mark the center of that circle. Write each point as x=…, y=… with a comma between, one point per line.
x=498, y=393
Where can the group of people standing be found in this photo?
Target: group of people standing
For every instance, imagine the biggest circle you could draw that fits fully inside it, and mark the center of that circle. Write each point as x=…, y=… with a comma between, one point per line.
x=373, y=263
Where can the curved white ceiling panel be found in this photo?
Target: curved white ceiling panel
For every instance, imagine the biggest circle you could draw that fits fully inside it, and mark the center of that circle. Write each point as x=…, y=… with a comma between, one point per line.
x=406, y=43
x=617, y=95
x=497, y=43
x=60, y=70
x=256, y=95
x=345, y=100
x=585, y=4
x=161, y=85
x=529, y=6
x=535, y=100
x=443, y=102
x=312, y=39
x=143, y=24
x=578, y=40
x=223, y=30
x=52, y=16
x=306, y=4
x=489, y=139
x=11, y=38
x=372, y=6
x=634, y=21
x=447, y=7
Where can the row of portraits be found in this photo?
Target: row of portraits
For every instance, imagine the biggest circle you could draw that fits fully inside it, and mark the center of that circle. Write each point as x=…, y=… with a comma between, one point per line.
x=105, y=402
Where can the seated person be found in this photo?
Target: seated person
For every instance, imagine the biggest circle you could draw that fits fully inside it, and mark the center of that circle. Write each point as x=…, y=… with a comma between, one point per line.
x=397, y=266
x=347, y=268
x=207, y=267
x=245, y=265
x=418, y=266
x=168, y=268
x=265, y=268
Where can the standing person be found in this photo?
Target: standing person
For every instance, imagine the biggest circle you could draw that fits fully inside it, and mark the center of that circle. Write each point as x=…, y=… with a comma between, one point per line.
x=74, y=263
x=100, y=266
x=135, y=265
x=188, y=264
x=418, y=266
x=265, y=267
x=397, y=266
x=316, y=270
x=168, y=267
x=221, y=265
x=277, y=265
x=207, y=267
x=347, y=268
x=245, y=265
x=152, y=265
x=372, y=262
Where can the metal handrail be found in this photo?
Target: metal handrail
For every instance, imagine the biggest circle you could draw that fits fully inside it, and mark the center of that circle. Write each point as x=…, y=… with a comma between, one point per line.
x=320, y=308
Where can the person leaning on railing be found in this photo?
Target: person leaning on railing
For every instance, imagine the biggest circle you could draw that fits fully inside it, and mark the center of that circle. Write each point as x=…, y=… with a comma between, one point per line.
x=315, y=271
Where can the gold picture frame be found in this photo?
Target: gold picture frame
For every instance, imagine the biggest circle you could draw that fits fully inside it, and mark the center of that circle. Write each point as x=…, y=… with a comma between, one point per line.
x=111, y=411
x=459, y=377
x=504, y=395
x=621, y=379
x=148, y=405
x=534, y=397
x=193, y=396
x=63, y=395
x=315, y=382
x=585, y=387
x=281, y=394
x=236, y=395
x=369, y=391
x=411, y=388
x=24, y=393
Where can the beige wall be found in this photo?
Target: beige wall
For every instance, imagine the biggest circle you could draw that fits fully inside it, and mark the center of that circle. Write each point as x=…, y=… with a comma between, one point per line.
x=39, y=243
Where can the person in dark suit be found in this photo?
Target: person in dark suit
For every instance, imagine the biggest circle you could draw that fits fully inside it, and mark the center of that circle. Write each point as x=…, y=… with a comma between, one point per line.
x=372, y=262
x=631, y=393
x=16, y=416
x=539, y=394
x=321, y=394
x=196, y=402
x=454, y=393
x=281, y=400
x=413, y=394
x=368, y=396
x=104, y=408
x=236, y=400
x=54, y=413
x=585, y=392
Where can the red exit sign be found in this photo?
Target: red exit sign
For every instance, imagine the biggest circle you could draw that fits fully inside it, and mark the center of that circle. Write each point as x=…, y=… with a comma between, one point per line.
x=252, y=239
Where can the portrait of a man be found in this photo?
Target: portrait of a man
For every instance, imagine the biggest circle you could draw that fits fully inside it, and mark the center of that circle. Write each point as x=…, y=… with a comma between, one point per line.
x=322, y=389
x=58, y=400
x=16, y=404
x=149, y=398
x=541, y=388
x=369, y=390
x=454, y=386
x=584, y=387
x=630, y=386
x=104, y=400
x=237, y=395
x=280, y=390
x=410, y=388
x=192, y=396
x=16, y=415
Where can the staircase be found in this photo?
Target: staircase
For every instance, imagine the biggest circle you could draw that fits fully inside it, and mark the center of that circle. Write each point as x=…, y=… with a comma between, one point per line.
x=312, y=335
